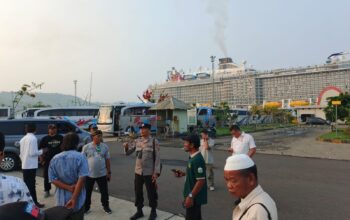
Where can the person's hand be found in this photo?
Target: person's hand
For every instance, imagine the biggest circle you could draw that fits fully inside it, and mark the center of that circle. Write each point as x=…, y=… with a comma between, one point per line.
x=126, y=146
x=71, y=188
x=71, y=204
x=206, y=145
x=41, y=160
x=108, y=177
x=154, y=178
x=45, y=149
x=179, y=173
x=230, y=150
x=188, y=202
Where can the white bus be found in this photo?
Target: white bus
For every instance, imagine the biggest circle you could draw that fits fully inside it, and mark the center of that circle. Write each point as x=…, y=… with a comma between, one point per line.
x=120, y=119
x=82, y=116
x=5, y=113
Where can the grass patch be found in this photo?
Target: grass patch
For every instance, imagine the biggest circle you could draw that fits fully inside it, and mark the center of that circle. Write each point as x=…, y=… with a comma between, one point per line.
x=333, y=136
x=224, y=131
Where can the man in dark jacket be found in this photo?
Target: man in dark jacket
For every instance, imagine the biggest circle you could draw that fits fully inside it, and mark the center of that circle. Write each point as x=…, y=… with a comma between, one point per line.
x=52, y=142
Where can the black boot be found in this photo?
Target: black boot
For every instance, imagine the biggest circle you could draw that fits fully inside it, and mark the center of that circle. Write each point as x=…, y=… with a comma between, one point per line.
x=138, y=214
x=153, y=215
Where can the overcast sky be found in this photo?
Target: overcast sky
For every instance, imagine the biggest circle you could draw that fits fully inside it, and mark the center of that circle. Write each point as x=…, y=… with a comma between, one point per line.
x=130, y=44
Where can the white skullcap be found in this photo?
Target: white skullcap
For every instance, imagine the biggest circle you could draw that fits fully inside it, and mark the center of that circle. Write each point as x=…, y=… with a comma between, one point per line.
x=238, y=162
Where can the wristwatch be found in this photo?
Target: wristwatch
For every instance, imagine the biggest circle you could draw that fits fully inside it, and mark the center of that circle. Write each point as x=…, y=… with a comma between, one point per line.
x=190, y=195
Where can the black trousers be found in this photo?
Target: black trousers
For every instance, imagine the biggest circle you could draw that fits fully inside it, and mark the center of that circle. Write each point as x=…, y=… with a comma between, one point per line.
x=47, y=184
x=151, y=191
x=102, y=186
x=29, y=179
x=194, y=213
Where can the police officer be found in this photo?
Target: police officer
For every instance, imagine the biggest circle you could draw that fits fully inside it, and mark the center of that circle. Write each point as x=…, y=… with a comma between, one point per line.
x=147, y=170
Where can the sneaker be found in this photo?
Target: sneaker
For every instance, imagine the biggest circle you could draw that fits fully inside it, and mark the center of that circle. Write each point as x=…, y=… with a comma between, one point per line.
x=39, y=205
x=87, y=211
x=152, y=216
x=46, y=194
x=107, y=210
x=211, y=188
x=138, y=214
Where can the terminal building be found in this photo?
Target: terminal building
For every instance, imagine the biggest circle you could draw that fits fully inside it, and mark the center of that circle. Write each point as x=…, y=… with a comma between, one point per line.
x=242, y=87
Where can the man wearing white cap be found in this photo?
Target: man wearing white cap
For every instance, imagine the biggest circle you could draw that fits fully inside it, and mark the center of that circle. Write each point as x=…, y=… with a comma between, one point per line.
x=240, y=174
x=242, y=143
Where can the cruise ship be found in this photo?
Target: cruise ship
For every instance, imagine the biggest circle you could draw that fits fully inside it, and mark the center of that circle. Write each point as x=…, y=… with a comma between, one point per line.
x=241, y=87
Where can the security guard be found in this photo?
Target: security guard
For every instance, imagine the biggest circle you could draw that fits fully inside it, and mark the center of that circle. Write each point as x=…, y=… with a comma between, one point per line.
x=147, y=170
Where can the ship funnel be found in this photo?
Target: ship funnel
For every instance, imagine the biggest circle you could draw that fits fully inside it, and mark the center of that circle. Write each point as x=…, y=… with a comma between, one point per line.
x=226, y=63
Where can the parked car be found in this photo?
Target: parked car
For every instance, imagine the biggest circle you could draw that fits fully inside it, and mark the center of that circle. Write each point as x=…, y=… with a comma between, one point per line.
x=316, y=121
x=14, y=130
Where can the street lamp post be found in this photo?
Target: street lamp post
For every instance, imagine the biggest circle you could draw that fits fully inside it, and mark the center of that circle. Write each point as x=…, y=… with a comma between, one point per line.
x=212, y=59
x=75, y=91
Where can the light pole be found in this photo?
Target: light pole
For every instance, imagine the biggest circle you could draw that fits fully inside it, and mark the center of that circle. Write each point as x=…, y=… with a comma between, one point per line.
x=212, y=59
x=75, y=91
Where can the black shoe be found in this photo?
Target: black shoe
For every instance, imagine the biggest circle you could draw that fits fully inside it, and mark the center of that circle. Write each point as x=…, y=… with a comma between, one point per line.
x=39, y=205
x=107, y=210
x=152, y=216
x=87, y=210
x=138, y=214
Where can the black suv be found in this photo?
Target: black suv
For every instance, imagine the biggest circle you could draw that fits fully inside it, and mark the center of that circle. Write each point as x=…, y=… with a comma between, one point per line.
x=14, y=130
x=316, y=121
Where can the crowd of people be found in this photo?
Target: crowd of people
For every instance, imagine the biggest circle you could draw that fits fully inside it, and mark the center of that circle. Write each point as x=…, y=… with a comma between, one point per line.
x=74, y=174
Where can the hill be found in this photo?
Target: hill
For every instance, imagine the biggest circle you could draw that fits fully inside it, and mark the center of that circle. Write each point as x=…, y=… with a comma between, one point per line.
x=51, y=99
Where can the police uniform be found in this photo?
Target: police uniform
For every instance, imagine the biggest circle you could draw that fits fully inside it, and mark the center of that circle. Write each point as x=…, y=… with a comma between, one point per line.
x=195, y=170
x=146, y=165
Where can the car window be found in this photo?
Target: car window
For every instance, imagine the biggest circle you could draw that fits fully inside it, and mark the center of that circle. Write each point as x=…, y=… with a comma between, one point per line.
x=203, y=112
x=41, y=127
x=12, y=127
x=65, y=127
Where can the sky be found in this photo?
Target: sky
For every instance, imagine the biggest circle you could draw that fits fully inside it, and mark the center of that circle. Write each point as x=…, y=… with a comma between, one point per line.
x=128, y=45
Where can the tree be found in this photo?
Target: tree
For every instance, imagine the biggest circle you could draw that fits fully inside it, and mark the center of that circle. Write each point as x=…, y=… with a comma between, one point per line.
x=39, y=104
x=223, y=114
x=343, y=109
x=25, y=90
x=255, y=111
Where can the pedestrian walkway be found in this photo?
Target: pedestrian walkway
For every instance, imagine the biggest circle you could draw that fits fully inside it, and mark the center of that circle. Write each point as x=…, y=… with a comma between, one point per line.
x=122, y=209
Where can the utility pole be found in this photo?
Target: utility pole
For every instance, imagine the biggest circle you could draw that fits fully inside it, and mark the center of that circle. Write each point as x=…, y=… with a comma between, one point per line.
x=212, y=59
x=75, y=91
x=90, y=89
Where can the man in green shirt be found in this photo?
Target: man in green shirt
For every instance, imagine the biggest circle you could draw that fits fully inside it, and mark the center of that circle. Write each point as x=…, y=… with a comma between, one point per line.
x=195, y=188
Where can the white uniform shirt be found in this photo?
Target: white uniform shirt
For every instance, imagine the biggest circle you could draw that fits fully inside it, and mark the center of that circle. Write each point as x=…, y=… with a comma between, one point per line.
x=242, y=144
x=207, y=154
x=29, y=151
x=257, y=211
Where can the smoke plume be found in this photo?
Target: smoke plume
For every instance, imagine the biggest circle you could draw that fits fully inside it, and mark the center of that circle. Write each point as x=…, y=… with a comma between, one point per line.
x=218, y=10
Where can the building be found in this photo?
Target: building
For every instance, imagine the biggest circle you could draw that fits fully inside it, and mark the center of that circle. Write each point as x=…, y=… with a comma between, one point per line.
x=240, y=86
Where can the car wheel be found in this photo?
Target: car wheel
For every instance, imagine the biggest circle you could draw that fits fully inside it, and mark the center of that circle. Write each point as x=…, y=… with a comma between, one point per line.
x=9, y=163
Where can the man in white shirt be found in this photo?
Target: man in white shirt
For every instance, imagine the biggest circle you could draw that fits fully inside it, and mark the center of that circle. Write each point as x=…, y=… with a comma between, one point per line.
x=241, y=177
x=29, y=154
x=241, y=143
x=206, y=149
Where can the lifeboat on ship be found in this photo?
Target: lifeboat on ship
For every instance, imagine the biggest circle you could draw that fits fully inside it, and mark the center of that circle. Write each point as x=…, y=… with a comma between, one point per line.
x=273, y=104
x=298, y=103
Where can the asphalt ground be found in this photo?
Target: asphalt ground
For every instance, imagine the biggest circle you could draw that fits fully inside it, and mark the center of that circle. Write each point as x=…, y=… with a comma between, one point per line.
x=303, y=188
